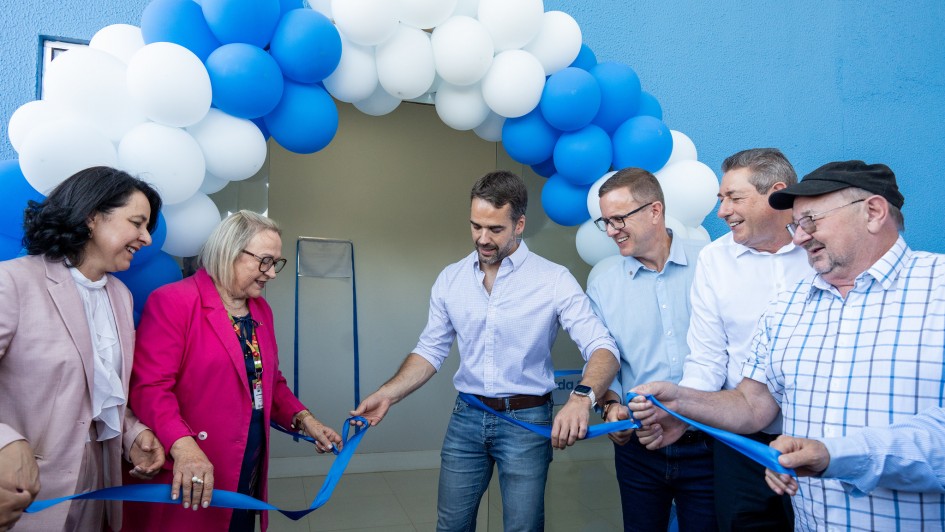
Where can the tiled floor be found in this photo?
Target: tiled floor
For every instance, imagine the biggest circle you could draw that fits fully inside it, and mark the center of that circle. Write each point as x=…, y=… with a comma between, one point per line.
x=580, y=496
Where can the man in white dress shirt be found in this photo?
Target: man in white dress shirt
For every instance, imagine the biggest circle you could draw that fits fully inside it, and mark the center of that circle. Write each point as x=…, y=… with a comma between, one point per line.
x=736, y=277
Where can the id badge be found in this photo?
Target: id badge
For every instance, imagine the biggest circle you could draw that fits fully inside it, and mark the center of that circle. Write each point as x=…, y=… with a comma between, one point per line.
x=257, y=394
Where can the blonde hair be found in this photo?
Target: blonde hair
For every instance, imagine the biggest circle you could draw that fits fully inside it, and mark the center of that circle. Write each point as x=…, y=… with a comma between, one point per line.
x=227, y=242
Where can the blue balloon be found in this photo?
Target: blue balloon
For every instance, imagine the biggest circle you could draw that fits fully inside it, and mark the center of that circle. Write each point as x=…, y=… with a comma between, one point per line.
x=582, y=156
x=306, y=45
x=564, y=203
x=619, y=94
x=288, y=5
x=246, y=81
x=545, y=168
x=10, y=248
x=16, y=193
x=305, y=120
x=529, y=139
x=157, y=240
x=585, y=59
x=642, y=142
x=570, y=99
x=649, y=106
x=180, y=22
x=242, y=21
x=142, y=279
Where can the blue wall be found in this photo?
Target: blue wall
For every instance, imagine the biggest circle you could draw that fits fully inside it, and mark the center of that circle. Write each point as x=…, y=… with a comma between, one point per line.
x=823, y=81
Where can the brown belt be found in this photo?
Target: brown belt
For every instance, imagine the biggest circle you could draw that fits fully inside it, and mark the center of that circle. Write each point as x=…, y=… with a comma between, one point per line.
x=515, y=402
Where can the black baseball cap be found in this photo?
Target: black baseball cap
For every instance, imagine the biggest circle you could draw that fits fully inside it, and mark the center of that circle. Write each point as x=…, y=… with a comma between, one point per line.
x=875, y=178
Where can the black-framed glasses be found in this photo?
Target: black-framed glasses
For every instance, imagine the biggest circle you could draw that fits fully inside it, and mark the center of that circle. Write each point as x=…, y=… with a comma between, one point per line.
x=618, y=222
x=266, y=263
x=807, y=222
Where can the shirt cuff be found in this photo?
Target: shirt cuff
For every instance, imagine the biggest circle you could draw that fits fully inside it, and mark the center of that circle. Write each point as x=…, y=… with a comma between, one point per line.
x=697, y=383
x=602, y=344
x=434, y=361
x=755, y=373
x=849, y=461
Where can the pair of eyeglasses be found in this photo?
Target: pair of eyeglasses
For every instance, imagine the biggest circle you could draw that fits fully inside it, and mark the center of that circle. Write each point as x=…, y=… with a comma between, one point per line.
x=266, y=263
x=618, y=222
x=807, y=222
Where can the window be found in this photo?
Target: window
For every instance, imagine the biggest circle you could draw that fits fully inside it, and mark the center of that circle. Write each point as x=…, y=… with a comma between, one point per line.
x=52, y=47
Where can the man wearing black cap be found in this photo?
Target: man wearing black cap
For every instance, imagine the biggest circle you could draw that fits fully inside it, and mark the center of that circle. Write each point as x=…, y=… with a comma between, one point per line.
x=843, y=355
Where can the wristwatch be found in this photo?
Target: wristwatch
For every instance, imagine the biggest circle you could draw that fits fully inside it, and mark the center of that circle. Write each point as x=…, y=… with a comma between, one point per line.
x=586, y=391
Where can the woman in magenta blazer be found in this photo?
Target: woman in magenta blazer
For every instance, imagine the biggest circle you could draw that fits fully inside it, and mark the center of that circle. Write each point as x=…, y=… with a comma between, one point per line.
x=66, y=347
x=206, y=378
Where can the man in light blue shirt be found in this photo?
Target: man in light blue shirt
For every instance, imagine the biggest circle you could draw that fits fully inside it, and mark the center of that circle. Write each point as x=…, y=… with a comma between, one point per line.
x=503, y=305
x=643, y=300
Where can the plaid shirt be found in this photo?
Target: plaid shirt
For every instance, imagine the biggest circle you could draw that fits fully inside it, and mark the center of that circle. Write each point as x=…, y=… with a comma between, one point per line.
x=838, y=365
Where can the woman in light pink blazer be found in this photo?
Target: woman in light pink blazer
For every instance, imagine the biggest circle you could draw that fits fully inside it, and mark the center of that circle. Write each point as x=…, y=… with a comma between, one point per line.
x=66, y=346
x=207, y=378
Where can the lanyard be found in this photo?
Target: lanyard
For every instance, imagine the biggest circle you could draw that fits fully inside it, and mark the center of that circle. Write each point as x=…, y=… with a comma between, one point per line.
x=245, y=329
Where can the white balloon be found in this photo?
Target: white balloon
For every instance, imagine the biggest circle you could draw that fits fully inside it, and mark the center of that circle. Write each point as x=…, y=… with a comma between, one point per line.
x=233, y=148
x=379, y=103
x=513, y=85
x=593, y=200
x=593, y=245
x=424, y=14
x=405, y=63
x=356, y=76
x=189, y=223
x=512, y=24
x=56, y=149
x=603, y=264
x=212, y=184
x=461, y=108
x=364, y=22
x=683, y=148
x=91, y=84
x=120, y=40
x=31, y=114
x=690, y=189
x=170, y=84
x=679, y=229
x=462, y=50
x=491, y=128
x=558, y=43
x=322, y=6
x=466, y=8
x=699, y=233
x=167, y=157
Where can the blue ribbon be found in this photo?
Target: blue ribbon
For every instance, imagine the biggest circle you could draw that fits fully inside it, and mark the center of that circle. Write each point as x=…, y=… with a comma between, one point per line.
x=221, y=498
x=757, y=451
x=592, y=432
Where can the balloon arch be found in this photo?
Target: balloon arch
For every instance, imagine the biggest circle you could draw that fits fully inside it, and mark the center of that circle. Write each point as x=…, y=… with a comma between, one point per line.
x=188, y=99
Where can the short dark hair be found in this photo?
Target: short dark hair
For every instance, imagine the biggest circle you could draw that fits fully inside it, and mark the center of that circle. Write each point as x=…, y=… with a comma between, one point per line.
x=767, y=166
x=502, y=188
x=642, y=184
x=58, y=227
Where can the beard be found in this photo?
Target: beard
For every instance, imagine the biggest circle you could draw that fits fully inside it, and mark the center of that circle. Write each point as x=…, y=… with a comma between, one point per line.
x=500, y=253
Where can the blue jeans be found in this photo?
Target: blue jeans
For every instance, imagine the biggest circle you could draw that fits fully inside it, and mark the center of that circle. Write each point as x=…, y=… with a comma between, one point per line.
x=474, y=442
x=651, y=480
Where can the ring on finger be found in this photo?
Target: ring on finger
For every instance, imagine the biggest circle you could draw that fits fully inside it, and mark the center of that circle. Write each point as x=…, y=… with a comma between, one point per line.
x=196, y=480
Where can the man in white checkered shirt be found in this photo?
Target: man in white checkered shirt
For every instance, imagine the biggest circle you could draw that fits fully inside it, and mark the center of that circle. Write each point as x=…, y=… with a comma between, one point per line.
x=852, y=356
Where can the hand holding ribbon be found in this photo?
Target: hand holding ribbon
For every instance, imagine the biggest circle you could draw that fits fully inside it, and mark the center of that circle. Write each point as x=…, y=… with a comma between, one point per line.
x=161, y=493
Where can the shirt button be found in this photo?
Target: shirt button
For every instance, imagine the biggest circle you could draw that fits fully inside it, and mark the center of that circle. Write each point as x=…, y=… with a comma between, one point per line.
x=202, y=435
x=669, y=333
x=664, y=306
